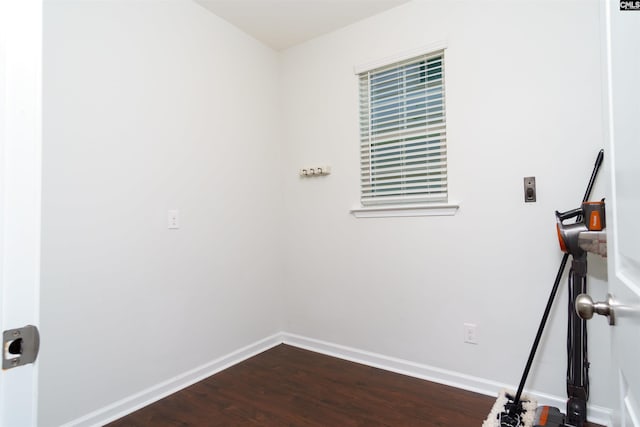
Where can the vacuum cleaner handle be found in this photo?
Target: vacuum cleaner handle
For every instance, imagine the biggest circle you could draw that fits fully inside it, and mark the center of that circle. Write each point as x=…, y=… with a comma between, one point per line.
x=568, y=214
x=596, y=168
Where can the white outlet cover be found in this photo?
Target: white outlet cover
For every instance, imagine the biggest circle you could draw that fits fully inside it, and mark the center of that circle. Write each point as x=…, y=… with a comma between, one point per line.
x=471, y=333
x=173, y=219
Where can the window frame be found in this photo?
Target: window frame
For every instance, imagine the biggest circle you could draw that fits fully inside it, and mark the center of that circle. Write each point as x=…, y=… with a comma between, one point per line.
x=442, y=206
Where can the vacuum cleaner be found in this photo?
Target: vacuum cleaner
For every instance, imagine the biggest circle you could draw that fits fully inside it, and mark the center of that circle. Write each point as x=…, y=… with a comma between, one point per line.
x=590, y=217
x=519, y=411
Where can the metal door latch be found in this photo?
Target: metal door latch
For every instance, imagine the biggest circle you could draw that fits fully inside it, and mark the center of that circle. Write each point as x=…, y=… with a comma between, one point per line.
x=20, y=346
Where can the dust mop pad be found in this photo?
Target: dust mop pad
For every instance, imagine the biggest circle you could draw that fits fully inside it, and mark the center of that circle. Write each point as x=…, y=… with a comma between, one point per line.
x=505, y=397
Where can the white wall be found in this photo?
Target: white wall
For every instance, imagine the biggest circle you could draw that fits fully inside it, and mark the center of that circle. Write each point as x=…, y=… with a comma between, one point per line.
x=523, y=98
x=151, y=106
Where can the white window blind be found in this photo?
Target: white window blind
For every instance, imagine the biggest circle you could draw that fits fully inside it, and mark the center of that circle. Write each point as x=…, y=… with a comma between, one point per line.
x=403, y=156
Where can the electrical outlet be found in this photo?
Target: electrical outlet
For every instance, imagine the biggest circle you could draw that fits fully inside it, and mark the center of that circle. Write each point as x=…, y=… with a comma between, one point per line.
x=173, y=219
x=470, y=333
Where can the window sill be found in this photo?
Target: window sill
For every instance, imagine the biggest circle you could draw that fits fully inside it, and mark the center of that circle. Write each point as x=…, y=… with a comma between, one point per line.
x=431, y=209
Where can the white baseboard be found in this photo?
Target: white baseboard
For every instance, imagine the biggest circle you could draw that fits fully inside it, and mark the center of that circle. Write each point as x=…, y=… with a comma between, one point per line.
x=139, y=400
x=596, y=414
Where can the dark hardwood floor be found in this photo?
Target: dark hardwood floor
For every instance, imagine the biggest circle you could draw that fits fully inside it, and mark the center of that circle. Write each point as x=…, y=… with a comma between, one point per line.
x=288, y=386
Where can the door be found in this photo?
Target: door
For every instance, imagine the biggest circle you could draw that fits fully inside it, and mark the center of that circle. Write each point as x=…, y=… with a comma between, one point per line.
x=20, y=144
x=622, y=32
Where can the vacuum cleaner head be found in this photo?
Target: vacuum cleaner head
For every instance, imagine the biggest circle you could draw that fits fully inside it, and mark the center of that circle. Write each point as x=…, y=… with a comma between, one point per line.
x=506, y=413
x=548, y=416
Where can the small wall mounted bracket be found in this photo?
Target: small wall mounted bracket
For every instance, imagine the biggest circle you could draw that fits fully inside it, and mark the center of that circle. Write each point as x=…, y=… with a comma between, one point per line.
x=530, y=189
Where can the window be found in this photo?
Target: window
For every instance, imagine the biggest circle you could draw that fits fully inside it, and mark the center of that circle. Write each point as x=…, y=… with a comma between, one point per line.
x=403, y=154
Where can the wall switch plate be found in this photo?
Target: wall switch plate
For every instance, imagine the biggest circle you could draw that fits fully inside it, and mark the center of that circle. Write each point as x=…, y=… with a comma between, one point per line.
x=530, y=189
x=173, y=219
x=470, y=333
